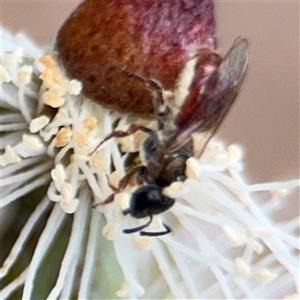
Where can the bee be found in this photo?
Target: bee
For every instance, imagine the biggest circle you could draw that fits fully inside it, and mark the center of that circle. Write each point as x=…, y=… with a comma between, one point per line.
x=203, y=95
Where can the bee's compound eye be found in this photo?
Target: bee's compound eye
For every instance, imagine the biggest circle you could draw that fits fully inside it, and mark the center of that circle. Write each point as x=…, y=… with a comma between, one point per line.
x=149, y=200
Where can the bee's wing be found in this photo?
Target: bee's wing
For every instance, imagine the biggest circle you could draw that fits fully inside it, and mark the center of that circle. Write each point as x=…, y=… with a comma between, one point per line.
x=215, y=99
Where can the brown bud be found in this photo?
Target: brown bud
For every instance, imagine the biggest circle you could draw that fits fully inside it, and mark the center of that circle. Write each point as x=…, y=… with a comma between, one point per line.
x=103, y=42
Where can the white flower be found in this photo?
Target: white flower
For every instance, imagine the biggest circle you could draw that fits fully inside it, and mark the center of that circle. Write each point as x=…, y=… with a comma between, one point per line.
x=226, y=242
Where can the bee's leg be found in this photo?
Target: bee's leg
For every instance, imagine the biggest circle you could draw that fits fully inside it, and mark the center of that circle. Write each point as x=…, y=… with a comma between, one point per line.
x=119, y=134
x=143, y=176
x=136, y=229
x=110, y=185
x=122, y=184
x=109, y=199
x=124, y=181
x=158, y=99
x=156, y=88
x=168, y=230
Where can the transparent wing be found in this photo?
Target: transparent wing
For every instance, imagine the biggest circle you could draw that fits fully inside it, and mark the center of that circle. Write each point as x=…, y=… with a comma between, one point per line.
x=216, y=95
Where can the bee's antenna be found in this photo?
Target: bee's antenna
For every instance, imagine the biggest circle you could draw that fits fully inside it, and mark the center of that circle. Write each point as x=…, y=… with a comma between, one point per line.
x=168, y=230
x=136, y=229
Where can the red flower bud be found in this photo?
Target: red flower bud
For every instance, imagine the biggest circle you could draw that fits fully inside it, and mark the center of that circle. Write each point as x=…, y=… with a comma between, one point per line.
x=103, y=42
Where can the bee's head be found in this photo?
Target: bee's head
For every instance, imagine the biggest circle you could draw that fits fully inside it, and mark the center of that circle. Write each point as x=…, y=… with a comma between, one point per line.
x=148, y=200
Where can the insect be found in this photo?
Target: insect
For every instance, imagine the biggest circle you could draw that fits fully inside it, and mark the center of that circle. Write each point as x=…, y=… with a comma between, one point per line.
x=205, y=91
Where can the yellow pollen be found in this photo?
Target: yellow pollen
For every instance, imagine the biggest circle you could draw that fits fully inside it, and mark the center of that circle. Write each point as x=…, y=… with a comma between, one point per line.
x=52, y=77
x=90, y=123
x=47, y=61
x=53, y=99
x=62, y=137
x=80, y=138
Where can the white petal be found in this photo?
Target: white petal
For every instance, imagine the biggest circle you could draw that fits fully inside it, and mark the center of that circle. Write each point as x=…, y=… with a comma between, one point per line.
x=10, y=156
x=4, y=75
x=75, y=87
x=242, y=267
x=32, y=142
x=58, y=174
x=70, y=206
x=265, y=275
x=38, y=123
x=24, y=74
